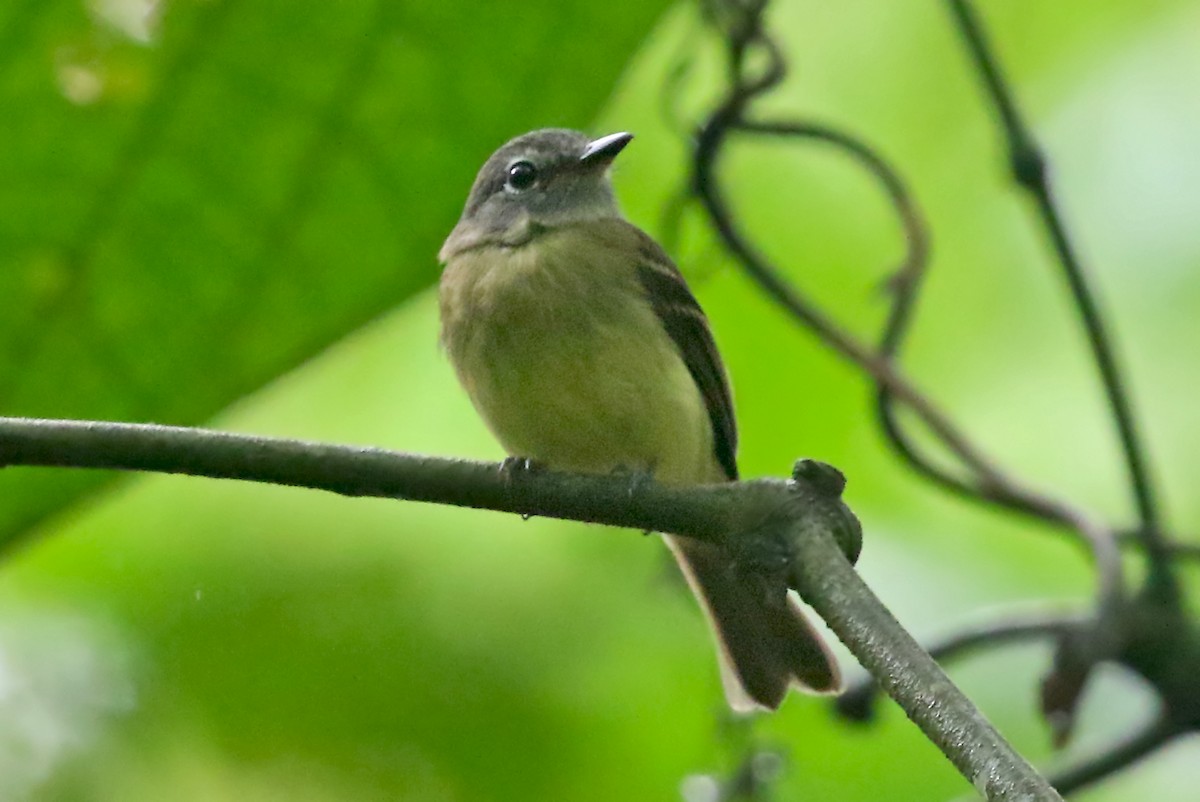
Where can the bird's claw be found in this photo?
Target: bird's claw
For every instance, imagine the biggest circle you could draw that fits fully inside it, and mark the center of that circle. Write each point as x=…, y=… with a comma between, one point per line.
x=514, y=466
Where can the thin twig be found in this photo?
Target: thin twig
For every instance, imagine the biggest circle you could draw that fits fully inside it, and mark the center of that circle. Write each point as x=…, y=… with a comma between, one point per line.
x=904, y=284
x=1115, y=758
x=855, y=702
x=712, y=137
x=1182, y=547
x=745, y=32
x=1082, y=641
x=1028, y=167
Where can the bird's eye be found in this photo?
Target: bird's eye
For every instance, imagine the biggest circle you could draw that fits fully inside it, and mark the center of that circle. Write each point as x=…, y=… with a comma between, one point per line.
x=521, y=176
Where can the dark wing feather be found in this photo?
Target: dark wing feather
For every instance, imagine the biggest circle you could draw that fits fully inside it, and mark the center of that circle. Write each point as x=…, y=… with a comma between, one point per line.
x=685, y=322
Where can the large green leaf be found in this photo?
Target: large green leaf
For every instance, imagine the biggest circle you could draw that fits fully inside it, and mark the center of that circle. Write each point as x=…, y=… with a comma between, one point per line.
x=184, y=218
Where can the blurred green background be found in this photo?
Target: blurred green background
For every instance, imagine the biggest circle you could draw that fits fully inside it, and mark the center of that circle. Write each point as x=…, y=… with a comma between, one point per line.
x=227, y=213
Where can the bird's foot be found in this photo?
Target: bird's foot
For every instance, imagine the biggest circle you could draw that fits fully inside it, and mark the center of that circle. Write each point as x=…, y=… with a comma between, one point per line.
x=512, y=467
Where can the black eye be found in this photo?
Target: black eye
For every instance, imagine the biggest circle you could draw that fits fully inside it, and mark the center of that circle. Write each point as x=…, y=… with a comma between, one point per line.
x=522, y=175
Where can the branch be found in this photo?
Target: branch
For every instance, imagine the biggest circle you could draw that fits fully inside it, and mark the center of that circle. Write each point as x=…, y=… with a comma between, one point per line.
x=827, y=582
x=804, y=515
x=707, y=513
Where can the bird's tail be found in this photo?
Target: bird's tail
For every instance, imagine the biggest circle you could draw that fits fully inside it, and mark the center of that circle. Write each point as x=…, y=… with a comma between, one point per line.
x=766, y=645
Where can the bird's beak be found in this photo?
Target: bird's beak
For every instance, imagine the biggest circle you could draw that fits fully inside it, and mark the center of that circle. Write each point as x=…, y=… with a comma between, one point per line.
x=604, y=150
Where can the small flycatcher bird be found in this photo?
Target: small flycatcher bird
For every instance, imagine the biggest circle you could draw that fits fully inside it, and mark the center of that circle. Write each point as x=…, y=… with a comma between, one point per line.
x=583, y=349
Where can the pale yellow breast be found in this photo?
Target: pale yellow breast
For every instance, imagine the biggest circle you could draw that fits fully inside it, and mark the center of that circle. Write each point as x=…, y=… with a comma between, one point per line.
x=568, y=364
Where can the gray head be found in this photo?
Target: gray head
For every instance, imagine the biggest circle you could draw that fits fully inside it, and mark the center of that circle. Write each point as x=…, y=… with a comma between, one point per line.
x=540, y=180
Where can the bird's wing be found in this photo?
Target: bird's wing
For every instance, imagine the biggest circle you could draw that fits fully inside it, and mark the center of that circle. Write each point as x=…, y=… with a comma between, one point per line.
x=687, y=326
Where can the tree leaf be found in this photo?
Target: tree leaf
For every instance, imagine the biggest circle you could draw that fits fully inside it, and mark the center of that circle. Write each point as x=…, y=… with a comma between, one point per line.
x=191, y=206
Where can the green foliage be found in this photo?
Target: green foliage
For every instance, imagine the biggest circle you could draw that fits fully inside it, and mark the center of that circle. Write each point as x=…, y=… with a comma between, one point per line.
x=181, y=221
x=200, y=215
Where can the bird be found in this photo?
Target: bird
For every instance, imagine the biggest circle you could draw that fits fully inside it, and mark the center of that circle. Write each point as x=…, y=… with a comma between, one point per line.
x=583, y=349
